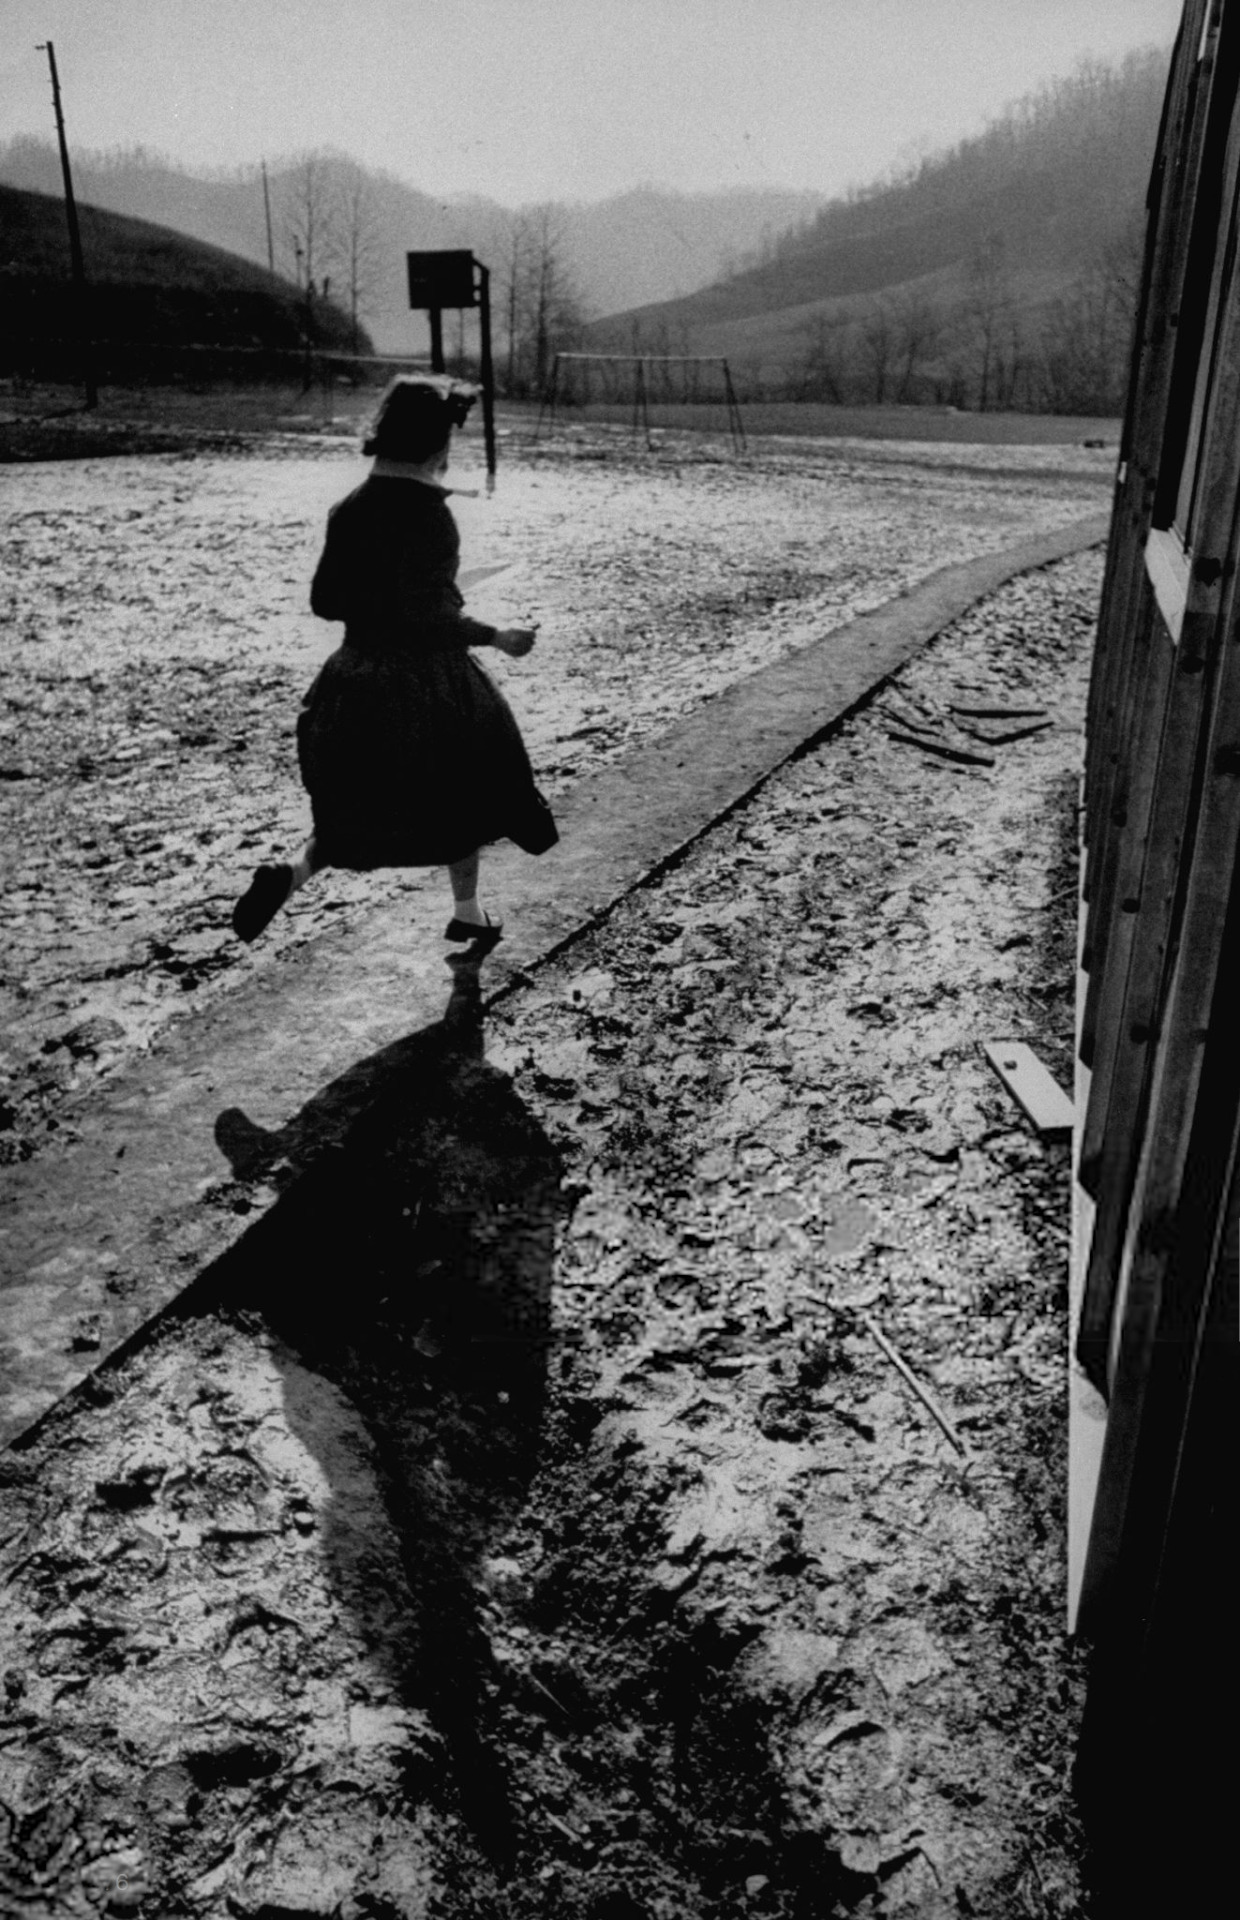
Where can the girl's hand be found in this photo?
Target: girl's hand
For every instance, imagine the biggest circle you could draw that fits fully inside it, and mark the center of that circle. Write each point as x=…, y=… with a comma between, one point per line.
x=516, y=641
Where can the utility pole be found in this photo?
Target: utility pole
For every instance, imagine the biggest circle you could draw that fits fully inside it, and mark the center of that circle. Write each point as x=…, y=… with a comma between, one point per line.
x=271, y=252
x=75, y=238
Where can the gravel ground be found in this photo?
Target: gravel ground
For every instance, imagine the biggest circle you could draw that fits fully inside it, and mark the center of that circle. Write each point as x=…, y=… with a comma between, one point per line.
x=158, y=642
x=532, y=1521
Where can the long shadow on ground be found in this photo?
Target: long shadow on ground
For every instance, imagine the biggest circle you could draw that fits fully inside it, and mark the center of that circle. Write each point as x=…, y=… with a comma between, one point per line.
x=412, y=1265
x=413, y=1268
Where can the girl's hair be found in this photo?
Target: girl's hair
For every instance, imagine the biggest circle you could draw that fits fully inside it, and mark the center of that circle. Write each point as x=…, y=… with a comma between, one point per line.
x=416, y=416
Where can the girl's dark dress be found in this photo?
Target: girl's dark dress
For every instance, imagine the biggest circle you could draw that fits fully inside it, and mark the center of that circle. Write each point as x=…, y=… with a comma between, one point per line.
x=408, y=750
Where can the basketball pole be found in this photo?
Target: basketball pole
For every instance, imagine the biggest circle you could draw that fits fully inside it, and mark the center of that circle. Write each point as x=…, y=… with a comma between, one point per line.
x=487, y=370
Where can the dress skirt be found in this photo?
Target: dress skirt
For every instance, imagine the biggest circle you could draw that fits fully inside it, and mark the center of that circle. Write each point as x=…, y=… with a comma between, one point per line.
x=412, y=757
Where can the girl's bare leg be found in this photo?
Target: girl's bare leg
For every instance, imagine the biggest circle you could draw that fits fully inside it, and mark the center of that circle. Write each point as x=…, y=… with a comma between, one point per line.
x=466, y=913
x=463, y=874
x=307, y=862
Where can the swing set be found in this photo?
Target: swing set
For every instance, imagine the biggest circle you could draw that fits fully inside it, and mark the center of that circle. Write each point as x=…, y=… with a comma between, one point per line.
x=561, y=386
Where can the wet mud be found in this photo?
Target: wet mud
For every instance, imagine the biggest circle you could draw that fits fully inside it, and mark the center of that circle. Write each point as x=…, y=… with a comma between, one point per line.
x=528, y=1517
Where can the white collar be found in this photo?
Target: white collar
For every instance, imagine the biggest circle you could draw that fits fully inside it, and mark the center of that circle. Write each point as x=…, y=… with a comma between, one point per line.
x=406, y=470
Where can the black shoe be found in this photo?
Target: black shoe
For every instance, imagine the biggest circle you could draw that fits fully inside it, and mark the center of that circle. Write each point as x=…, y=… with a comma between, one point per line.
x=482, y=938
x=261, y=901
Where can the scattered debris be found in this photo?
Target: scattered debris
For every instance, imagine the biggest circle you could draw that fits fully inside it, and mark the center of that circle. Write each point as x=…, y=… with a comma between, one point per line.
x=932, y=743
x=998, y=713
x=1003, y=736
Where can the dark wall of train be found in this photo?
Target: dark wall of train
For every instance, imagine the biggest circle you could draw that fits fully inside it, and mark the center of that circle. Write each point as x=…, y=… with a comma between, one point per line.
x=1159, y=1129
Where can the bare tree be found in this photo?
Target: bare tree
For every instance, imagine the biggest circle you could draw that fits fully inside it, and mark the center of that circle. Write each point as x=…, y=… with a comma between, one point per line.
x=554, y=308
x=878, y=346
x=1084, y=346
x=538, y=299
x=917, y=323
x=987, y=312
x=511, y=290
x=1122, y=264
x=309, y=221
x=823, y=370
x=359, y=244
x=1011, y=363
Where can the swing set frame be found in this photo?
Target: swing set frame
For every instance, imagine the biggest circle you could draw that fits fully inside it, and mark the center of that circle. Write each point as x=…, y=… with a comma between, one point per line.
x=643, y=362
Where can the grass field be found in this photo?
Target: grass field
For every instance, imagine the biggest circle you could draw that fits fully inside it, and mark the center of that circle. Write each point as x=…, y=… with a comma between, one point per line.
x=813, y=418
x=47, y=422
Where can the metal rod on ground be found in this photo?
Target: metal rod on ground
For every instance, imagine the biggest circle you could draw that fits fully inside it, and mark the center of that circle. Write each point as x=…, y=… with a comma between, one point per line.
x=906, y=1373
x=75, y=241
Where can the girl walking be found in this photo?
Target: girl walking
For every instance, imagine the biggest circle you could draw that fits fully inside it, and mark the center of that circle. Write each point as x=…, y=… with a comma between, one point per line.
x=408, y=750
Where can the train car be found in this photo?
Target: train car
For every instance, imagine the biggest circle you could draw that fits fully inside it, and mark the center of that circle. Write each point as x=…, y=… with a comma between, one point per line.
x=1155, y=1460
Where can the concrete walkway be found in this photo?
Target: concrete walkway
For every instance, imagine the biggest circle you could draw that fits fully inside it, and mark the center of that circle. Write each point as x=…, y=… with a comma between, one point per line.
x=176, y=1156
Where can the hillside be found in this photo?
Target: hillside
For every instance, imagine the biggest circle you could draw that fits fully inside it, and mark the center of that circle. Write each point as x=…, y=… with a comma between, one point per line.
x=971, y=279
x=642, y=246
x=150, y=288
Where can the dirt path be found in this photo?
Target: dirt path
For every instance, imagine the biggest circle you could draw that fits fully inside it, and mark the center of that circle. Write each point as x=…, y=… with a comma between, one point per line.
x=357, y=1592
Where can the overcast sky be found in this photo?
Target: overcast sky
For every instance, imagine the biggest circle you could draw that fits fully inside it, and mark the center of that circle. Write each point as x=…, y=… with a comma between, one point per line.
x=526, y=100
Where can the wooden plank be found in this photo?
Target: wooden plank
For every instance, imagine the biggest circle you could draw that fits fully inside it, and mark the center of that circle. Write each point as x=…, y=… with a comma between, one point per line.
x=905, y=717
x=1122, y=623
x=1029, y=1082
x=943, y=748
x=1111, y=634
x=996, y=736
x=998, y=713
x=1117, y=892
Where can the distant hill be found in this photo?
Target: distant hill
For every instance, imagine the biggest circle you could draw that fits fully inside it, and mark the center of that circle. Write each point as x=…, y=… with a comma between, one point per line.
x=637, y=247
x=1000, y=272
x=149, y=288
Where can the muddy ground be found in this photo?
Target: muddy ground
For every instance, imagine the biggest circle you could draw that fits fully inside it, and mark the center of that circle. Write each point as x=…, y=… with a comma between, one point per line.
x=530, y=1518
